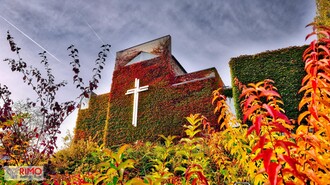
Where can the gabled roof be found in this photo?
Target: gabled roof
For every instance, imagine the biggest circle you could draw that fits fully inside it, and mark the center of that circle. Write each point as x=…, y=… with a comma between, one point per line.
x=147, y=45
x=130, y=55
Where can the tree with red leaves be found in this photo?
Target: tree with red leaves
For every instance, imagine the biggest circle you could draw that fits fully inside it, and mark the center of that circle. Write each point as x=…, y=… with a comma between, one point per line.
x=21, y=143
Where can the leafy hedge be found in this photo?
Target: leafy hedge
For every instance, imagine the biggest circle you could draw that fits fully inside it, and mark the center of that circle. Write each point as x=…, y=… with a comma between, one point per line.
x=284, y=66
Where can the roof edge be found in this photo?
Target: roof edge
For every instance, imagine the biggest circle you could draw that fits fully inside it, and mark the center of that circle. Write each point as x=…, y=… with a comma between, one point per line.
x=163, y=37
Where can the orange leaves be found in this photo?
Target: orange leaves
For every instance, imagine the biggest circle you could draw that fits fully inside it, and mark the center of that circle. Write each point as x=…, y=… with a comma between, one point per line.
x=225, y=116
x=324, y=48
x=262, y=108
x=316, y=87
x=311, y=174
x=196, y=170
x=283, y=156
x=269, y=93
x=249, y=100
x=313, y=138
x=309, y=35
x=249, y=112
x=324, y=76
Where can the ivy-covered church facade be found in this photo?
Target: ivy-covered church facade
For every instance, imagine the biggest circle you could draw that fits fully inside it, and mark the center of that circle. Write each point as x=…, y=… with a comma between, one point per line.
x=168, y=94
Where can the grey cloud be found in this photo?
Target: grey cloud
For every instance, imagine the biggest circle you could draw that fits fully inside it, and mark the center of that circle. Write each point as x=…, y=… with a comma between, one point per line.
x=193, y=24
x=204, y=33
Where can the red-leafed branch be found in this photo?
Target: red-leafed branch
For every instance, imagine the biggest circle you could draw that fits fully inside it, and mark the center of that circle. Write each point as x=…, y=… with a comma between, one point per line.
x=42, y=140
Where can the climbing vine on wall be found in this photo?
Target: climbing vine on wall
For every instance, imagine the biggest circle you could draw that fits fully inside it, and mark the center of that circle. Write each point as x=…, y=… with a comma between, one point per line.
x=91, y=121
x=162, y=108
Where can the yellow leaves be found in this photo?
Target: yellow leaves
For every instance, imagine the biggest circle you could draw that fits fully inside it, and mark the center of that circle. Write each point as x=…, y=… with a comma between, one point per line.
x=259, y=179
x=311, y=174
x=217, y=95
x=194, y=119
x=7, y=123
x=313, y=139
x=327, y=131
x=136, y=181
x=304, y=101
x=111, y=173
x=235, y=142
x=230, y=141
x=302, y=129
x=168, y=140
x=221, y=117
x=117, y=156
x=287, y=158
x=302, y=116
x=192, y=133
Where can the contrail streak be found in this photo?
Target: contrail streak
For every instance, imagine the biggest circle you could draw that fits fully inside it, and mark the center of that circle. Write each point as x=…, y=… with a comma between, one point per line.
x=31, y=39
x=97, y=35
x=91, y=28
x=94, y=32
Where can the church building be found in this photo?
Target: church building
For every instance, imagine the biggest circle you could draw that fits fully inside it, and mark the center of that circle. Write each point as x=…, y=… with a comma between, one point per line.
x=151, y=94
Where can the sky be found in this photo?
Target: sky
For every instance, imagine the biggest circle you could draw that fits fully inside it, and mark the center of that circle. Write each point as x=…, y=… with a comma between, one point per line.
x=204, y=33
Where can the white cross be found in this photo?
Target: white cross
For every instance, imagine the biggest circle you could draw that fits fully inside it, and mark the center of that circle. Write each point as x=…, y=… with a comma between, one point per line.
x=136, y=91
